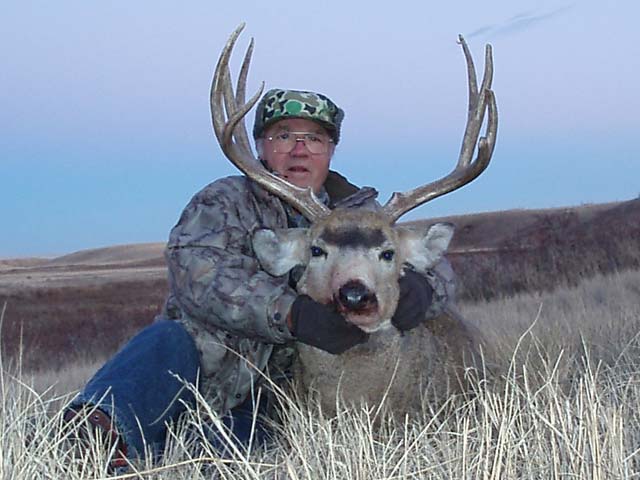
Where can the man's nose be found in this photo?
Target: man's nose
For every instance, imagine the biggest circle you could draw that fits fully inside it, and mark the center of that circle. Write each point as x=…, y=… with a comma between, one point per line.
x=300, y=148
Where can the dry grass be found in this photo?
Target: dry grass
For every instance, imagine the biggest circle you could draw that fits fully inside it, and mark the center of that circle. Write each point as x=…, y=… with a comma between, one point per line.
x=563, y=404
x=559, y=262
x=60, y=326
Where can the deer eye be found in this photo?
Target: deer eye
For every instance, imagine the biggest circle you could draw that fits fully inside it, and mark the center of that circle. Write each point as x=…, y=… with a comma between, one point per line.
x=387, y=255
x=317, y=252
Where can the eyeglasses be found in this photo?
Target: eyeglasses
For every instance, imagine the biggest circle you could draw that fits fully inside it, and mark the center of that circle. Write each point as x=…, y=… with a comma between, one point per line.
x=285, y=142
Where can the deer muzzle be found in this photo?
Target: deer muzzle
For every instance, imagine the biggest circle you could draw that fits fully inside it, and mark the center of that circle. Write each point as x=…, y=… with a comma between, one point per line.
x=355, y=297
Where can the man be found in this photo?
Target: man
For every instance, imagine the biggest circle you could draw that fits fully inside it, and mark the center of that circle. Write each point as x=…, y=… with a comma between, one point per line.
x=226, y=320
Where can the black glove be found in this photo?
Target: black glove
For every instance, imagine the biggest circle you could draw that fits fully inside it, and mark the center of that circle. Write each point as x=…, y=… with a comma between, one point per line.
x=321, y=326
x=415, y=299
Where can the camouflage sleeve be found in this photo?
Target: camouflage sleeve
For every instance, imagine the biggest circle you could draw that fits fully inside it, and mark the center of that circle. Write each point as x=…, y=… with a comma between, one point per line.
x=214, y=276
x=442, y=280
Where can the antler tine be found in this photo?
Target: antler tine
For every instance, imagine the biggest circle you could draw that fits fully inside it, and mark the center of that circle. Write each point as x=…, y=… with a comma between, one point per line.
x=233, y=101
x=471, y=75
x=221, y=89
x=466, y=169
x=241, y=132
x=477, y=103
x=223, y=105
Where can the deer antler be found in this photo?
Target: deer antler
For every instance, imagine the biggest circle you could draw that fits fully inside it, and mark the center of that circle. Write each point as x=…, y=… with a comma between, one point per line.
x=465, y=170
x=227, y=114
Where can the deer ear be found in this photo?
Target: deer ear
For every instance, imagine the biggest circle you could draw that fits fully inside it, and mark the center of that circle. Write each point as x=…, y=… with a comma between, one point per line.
x=422, y=249
x=280, y=250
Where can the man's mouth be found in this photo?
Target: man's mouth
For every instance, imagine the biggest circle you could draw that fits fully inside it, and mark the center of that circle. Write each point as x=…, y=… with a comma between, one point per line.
x=297, y=169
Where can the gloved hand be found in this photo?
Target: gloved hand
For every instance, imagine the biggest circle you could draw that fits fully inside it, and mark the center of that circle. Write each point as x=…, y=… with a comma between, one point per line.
x=321, y=326
x=415, y=299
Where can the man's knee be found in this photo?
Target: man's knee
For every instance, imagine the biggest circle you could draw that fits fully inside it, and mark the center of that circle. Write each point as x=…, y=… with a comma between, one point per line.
x=171, y=331
x=172, y=338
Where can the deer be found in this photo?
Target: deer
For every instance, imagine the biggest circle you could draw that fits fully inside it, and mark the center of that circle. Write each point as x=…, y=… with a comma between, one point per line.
x=353, y=258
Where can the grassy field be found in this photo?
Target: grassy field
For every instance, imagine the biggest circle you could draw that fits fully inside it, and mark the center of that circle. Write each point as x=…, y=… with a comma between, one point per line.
x=562, y=402
x=83, y=306
x=63, y=325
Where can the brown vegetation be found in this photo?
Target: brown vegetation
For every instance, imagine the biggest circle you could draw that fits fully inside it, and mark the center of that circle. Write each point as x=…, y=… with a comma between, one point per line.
x=86, y=304
x=55, y=326
x=504, y=253
x=567, y=362
x=565, y=407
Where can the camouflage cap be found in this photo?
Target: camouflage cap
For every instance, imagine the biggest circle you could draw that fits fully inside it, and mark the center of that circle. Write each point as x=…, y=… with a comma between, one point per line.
x=278, y=104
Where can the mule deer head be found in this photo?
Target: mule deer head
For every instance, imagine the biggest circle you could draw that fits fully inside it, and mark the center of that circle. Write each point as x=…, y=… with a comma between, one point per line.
x=352, y=258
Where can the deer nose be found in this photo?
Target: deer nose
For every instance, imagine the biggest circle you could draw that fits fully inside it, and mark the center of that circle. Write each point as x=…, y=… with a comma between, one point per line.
x=354, y=295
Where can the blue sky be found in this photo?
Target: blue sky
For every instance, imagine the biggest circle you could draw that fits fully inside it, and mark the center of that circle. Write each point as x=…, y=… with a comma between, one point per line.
x=105, y=131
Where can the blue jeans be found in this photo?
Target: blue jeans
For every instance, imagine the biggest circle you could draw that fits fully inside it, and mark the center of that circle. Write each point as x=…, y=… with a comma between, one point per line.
x=142, y=388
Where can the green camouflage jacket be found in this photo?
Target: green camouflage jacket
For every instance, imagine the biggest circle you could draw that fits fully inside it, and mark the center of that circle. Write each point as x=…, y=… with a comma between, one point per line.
x=235, y=311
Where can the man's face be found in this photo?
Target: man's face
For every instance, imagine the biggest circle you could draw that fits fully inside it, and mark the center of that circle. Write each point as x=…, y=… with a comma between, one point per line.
x=299, y=166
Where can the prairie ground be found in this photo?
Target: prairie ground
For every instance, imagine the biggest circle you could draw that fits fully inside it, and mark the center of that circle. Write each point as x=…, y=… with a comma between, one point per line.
x=556, y=294
x=561, y=402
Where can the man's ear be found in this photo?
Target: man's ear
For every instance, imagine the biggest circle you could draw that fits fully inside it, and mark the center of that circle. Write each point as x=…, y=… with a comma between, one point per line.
x=423, y=249
x=259, y=143
x=280, y=250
